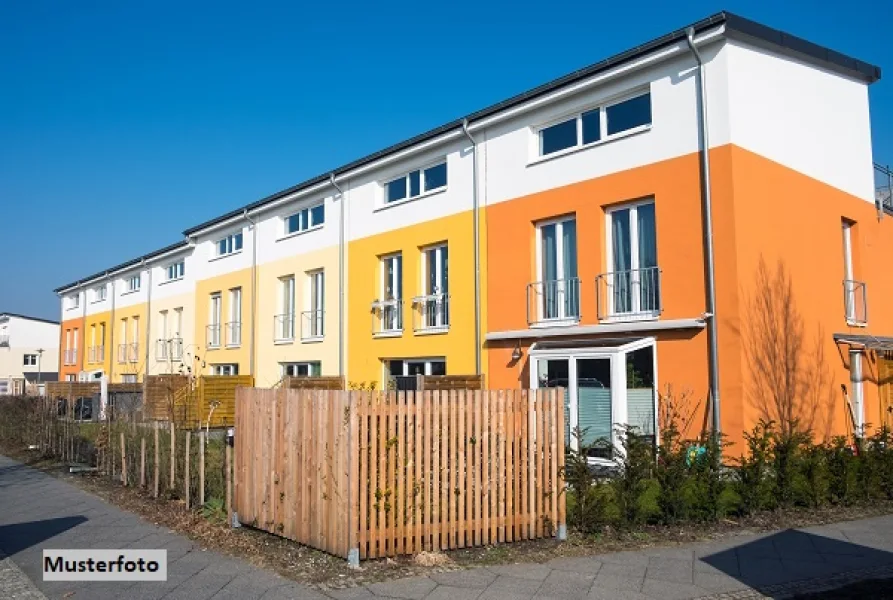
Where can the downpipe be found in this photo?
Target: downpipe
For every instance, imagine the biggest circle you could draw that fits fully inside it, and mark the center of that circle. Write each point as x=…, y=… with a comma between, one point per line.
x=340, y=275
x=477, y=249
x=253, y=290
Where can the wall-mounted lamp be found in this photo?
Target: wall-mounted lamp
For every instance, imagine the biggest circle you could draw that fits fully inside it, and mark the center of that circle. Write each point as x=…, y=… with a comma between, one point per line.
x=516, y=351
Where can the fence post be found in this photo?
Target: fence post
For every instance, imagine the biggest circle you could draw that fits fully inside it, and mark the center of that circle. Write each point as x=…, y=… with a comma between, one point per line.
x=201, y=468
x=186, y=469
x=157, y=459
x=142, y=462
x=173, y=456
x=229, y=481
x=123, y=461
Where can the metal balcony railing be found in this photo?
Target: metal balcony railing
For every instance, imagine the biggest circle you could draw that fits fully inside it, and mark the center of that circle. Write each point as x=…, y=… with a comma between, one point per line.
x=431, y=313
x=855, y=302
x=170, y=350
x=633, y=294
x=284, y=327
x=212, y=336
x=161, y=350
x=387, y=317
x=313, y=324
x=4, y=340
x=234, y=333
x=122, y=352
x=133, y=352
x=553, y=301
x=95, y=354
x=70, y=356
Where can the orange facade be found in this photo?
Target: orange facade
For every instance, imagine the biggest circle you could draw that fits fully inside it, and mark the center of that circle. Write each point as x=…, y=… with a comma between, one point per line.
x=69, y=353
x=761, y=209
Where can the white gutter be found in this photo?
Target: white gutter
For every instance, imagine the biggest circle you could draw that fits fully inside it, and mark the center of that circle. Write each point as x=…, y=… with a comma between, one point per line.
x=634, y=326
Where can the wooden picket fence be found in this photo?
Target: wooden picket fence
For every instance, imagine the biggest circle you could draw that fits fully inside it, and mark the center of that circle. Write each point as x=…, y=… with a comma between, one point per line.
x=390, y=473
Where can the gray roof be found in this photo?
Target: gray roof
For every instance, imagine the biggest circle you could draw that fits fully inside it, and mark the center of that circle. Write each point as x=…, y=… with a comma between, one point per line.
x=27, y=318
x=735, y=27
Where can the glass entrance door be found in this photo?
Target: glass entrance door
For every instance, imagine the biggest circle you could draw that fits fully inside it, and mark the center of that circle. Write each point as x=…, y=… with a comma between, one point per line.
x=592, y=417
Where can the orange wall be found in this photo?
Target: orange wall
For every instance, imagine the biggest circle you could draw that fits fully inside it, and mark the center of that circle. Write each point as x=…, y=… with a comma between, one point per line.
x=64, y=370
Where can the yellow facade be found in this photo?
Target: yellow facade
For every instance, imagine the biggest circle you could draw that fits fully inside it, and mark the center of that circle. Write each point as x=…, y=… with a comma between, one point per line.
x=97, y=342
x=179, y=324
x=127, y=337
x=226, y=352
x=272, y=350
x=366, y=351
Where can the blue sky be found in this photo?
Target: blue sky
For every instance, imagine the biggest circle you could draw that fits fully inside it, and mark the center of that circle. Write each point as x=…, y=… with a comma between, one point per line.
x=123, y=123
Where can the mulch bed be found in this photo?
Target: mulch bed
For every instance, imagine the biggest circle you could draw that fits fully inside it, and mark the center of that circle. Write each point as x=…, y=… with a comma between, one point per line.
x=313, y=567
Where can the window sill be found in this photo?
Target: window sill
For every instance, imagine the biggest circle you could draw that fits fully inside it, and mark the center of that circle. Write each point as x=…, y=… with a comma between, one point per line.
x=630, y=318
x=313, y=339
x=617, y=136
x=851, y=323
x=388, y=205
x=167, y=281
x=97, y=301
x=555, y=323
x=217, y=347
x=222, y=256
x=388, y=334
x=433, y=330
x=128, y=292
x=288, y=236
x=233, y=346
x=284, y=342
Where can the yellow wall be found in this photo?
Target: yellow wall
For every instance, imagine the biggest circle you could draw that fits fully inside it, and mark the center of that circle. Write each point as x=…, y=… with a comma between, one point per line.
x=187, y=303
x=269, y=352
x=118, y=368
x=365, y=352
x=95, y=321
x=238, y=355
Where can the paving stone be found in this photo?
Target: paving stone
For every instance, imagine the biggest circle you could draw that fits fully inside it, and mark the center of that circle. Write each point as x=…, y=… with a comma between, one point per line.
x=412, y=588
x=668, y=569
x=618, y=582
x=508, y=586
x=667, y=590
x=583, y=564
x=533, y=572
x=470, y=578
x=597, y=593
x=292, y=591
x=352, y=593
x=718, y=583
x=565, y=585
x=448, y=592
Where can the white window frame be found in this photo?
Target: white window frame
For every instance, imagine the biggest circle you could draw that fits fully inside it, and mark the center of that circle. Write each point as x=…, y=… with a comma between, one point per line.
x=395, y=284
x=100, y=293
x=602, y=107
x=74, y=301
x=315, y=302
x=229, y=243
x=162, y=325
x=441, y=316
x=635, y=314
x=25, y=361
x=129, y=378
x=284, y=325
x=308, y=365
x=179, y=322
x=175, y=271
x=133, y=282
x=215, y=316
x=235, y=316
x=305, y=220
x=427, y=360
x=422, y=191
x=561, y=276
x=224, y=369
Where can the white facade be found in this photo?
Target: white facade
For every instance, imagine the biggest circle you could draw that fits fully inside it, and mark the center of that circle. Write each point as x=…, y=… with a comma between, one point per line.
x=21, y=341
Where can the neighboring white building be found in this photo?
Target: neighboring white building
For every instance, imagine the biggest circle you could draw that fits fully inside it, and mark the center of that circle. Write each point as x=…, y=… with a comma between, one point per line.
x=29, y=353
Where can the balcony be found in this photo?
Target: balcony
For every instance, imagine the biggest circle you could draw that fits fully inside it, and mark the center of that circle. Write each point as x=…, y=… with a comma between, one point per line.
x=387, y=317
x=169, y=350
x=212, y=336
x=70, y=357
x=122, y=352
x=95, y=354
x=555, y=302
x=4, y=340
x=855, y=302
x=629, y=295
x=284, y=327
x=431, y=314
x=133, y=352
x=312, y=325
x=233, y=334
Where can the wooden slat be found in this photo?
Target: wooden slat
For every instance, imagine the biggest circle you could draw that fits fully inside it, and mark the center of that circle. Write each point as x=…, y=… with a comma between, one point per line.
x=478, y=452
x=429, y=468
x=417, y=461
x=539, y=437
x=485, y=469
x=462, y=452
x=362, y=486
x=451, y=468
x=400, y=492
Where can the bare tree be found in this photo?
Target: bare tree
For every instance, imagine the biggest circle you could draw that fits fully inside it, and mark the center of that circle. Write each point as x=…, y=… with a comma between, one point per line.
x=789, y=383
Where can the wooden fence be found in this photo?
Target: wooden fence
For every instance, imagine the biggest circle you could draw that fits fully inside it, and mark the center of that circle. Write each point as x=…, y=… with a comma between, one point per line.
x=313, y=383
x=160, y=393
x=389, y=473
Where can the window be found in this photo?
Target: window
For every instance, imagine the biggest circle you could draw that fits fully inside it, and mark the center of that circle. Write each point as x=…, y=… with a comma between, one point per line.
x=99, y=293
x=225, y=369
x=556, y=295
x=390, y=305
x=129, y=378
x=854, y=290
x=162, y=325
x=285, y=320
x=74, y=301
x=416, y=183
x=308, y=218
x=230, y=244
x=596, y=124
x=71, y=378
x=178, y=322
x=434, y=305
x=633, y=285
x=176, y=271
x=133, y=283
x=301, y=369
x=314, y=317
x=401, y=373
x=234, y=327
x=30, y=360
x=213, y=337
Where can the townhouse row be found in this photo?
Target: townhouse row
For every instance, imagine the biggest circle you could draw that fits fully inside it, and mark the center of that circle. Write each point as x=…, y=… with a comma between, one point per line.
x=627, y=231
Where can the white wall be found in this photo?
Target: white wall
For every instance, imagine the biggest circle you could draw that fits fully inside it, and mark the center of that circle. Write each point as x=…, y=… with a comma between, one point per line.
x=208, y=264
x=26, y=337
x=802, y=117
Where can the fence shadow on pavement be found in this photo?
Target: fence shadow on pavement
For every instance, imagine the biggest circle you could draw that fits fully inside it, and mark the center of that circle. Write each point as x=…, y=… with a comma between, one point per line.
x=771, y=563
x=20, y=536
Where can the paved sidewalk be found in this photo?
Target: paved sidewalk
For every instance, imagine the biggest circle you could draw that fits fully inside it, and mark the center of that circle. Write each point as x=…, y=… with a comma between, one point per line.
x=40, y=511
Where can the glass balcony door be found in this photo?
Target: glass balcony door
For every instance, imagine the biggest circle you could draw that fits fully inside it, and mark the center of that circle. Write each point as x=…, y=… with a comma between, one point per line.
x=634, y=279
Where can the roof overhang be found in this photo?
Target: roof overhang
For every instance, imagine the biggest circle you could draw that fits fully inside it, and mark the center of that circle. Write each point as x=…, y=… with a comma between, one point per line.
x=605, y=328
